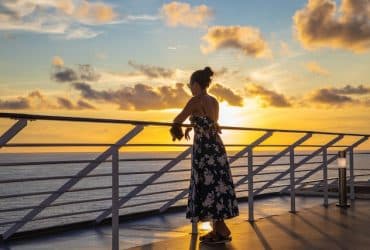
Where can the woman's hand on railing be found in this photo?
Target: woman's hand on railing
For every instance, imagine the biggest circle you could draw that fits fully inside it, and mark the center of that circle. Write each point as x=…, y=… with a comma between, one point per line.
x=176, y=131
x=218, y=129
x=187, y=131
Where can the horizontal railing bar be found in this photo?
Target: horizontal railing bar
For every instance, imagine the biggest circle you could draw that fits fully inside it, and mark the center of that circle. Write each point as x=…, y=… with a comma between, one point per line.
x=86, y=201
x=270, y=187
x=359, y=175
x=38, y=163
x=137, y=122
x=67, y=191
x=145, y=203
x=279, y=172
x=15, y=145
x=53, y=178
x=88, y=189
x=46, y=178
x=11, y=164
x=108, y=144
x=144, y=172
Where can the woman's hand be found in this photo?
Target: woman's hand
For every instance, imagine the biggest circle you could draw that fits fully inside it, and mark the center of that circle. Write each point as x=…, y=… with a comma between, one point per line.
x=176, y=132
x=187, y=131
x=218, y=129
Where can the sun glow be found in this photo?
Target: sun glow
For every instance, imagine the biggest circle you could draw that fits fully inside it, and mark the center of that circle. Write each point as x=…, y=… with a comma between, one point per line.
x=237, y=116
x=206, y=226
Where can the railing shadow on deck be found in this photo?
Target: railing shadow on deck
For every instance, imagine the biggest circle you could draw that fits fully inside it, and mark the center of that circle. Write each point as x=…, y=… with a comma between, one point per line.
x=295, y=179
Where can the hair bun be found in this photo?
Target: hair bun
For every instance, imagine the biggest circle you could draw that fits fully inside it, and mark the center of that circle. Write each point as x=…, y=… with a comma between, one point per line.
x=208, y=71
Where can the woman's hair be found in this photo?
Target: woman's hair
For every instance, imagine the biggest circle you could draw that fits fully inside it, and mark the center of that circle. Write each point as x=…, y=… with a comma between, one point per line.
x=202, y=76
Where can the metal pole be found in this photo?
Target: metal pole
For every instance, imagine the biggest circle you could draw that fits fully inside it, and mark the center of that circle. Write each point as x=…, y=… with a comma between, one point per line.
x=194, y=228
x=194, y=225
x=292, y=181
x=342, y=185
x=250, y=185
x=115, y=199
x=325, y=176
x=351, y=175
x=342, y=188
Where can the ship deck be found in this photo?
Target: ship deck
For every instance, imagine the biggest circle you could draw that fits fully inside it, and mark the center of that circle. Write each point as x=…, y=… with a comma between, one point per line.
x=313, y=226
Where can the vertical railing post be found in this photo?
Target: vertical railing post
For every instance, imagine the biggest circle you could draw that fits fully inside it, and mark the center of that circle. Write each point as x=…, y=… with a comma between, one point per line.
x=325, y=175
x=351, y=175
x=115, y=198
x=194, y=225
x=250, y=185
x=292, y=180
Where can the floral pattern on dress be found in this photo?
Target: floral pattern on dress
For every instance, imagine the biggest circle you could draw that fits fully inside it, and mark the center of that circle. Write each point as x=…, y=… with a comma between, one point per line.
x=211, y=190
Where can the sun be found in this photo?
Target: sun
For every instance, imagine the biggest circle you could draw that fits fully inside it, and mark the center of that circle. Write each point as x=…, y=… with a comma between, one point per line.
x=237, y=115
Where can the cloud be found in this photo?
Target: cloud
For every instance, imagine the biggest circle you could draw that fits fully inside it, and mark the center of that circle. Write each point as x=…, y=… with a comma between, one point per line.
x=246, y=39
x=142, y=18
x=57, y=61
x=329, y=97
x=337, y=97
x=268, y=97
x=321, y=24
x=182, y=14
x=35, y=100
x=314, y=67
x=352, y=90
x=366, y=102
x=64, y=103
x=81, y=104
x=38, y=100
x=69, y=19
x=227, y=94
x=93, y=13
x=81, y=33
x=139, y=97
x=84, y=72
x=18, y=103
x=221, y=71
x=152, y=71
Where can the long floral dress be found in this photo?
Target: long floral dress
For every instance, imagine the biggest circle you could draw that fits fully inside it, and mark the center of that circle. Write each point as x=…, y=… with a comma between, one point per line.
x=211, y=191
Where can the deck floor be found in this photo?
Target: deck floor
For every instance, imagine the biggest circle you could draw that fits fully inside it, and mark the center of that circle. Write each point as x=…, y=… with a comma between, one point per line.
x=312, y=227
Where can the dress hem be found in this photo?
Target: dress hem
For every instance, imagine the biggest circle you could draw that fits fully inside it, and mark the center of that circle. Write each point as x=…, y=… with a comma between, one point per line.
x=205, y=219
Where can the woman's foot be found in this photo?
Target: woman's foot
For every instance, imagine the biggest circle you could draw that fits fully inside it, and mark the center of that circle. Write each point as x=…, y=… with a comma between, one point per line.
x=207, y=236
x=216, y=239
x=221, y=228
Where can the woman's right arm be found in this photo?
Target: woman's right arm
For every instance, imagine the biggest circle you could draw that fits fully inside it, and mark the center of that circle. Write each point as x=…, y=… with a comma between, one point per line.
x=217, y=112
x=188, y=109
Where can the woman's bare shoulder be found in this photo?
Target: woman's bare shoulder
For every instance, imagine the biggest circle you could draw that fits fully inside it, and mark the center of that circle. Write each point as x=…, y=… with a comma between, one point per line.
x=214, y=99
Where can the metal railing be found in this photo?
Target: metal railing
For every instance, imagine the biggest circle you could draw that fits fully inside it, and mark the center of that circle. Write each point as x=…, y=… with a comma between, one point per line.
x=290, y=176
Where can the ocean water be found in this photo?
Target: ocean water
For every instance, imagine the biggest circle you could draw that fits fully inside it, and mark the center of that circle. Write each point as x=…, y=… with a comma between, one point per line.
x=239, y=167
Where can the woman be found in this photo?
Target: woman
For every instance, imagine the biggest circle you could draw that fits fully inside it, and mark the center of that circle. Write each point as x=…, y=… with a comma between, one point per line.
x=211, y=191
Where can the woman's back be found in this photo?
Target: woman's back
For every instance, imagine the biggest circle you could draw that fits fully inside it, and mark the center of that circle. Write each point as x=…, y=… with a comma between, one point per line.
x=207, y=106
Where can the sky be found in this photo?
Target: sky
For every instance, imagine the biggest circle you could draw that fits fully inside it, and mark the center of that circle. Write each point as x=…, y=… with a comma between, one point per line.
x=278, y=64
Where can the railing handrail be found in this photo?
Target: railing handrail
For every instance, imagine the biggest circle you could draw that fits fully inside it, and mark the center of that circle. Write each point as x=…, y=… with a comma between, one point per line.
x=145, y=123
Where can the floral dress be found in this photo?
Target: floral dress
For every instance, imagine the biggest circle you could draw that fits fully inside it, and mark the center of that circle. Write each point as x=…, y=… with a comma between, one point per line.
x=211, y=191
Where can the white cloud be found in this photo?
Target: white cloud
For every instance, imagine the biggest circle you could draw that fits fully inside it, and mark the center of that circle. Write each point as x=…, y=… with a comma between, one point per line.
x=58, y=61
x=316, y=68
x=247, y=40
x=322, y=24
x=70, y=19
x=183, y=14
